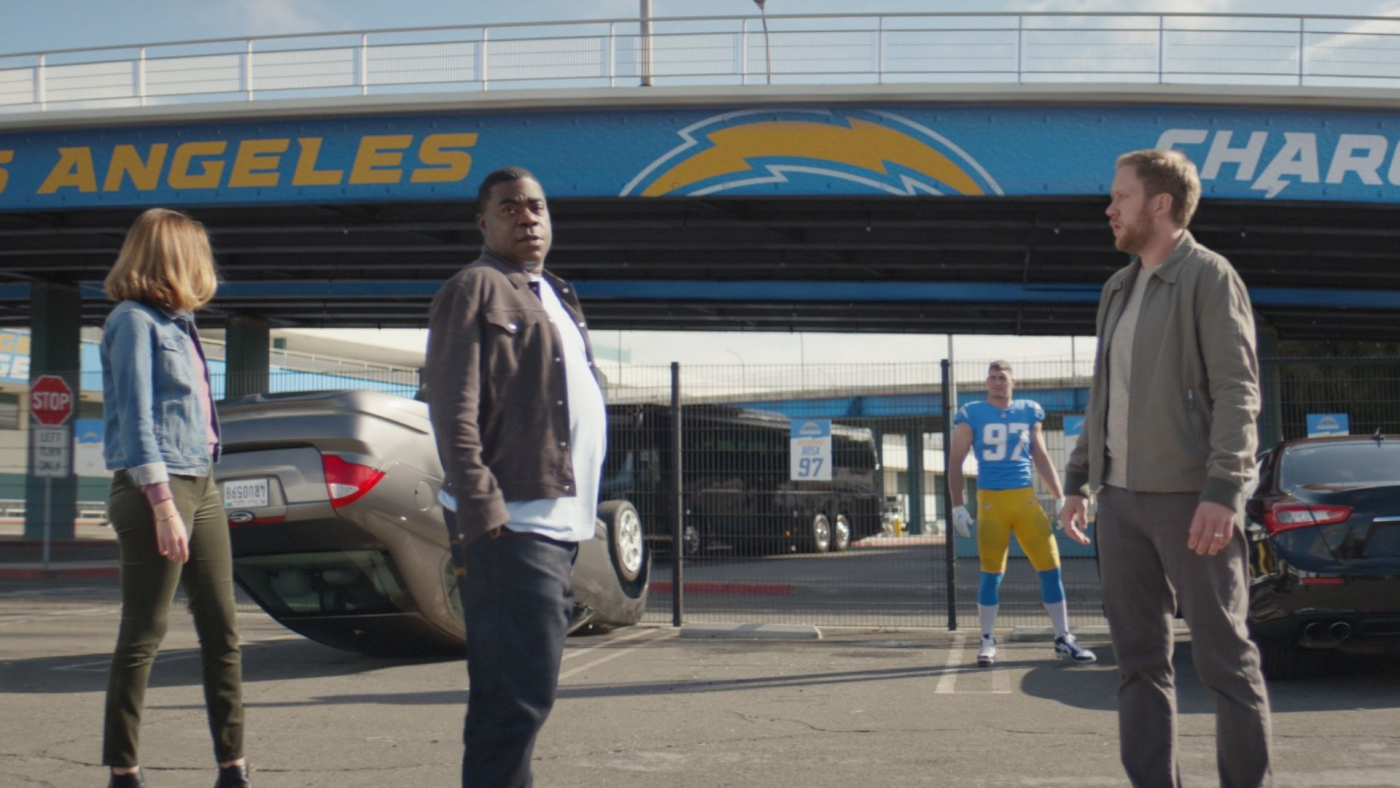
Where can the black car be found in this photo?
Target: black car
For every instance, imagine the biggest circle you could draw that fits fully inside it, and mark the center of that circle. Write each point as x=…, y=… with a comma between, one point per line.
x=1324, y=535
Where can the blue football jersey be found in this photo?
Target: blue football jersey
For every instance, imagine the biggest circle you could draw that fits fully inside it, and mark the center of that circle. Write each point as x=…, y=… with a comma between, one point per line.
x=1001, y=441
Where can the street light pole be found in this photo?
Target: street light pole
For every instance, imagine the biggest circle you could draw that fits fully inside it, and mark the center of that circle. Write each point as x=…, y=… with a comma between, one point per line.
x=767, y=50
x=743, y=368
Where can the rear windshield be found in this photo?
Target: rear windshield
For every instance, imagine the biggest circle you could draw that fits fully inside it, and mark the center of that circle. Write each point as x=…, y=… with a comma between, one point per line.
x=352, y=582
x=1340, y=463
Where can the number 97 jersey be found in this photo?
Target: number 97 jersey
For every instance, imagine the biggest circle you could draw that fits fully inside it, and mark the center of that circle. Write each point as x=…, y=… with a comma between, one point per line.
x=1001, y=441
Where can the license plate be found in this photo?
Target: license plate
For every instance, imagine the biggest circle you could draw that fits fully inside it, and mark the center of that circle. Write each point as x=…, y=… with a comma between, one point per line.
x=245, y=493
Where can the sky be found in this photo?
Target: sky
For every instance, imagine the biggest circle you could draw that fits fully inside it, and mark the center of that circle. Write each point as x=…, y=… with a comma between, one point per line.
x=27, y=26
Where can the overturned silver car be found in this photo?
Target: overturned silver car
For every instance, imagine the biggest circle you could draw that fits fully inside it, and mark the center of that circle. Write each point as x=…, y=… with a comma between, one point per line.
x=338, y=534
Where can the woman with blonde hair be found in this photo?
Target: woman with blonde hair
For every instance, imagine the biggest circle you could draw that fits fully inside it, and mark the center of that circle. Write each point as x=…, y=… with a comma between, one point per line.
x=162, y=439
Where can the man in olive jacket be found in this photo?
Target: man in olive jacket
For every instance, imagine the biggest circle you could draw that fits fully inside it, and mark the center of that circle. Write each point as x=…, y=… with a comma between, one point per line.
x=1169, y=447
x=520, y=425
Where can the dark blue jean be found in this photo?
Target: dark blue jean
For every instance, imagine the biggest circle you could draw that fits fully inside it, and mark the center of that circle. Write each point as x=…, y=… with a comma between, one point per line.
x=517, y=601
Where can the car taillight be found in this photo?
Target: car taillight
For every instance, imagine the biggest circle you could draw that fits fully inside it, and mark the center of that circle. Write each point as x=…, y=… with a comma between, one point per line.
x=347, y=481
x=1287, y=516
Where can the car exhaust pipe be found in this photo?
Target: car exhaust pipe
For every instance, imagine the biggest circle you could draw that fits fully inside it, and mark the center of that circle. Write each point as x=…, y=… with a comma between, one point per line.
x=1318, y=634
x=1340, y=630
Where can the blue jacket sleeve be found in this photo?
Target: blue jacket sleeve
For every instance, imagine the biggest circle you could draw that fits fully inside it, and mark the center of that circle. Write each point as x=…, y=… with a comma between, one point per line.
x=131, y=348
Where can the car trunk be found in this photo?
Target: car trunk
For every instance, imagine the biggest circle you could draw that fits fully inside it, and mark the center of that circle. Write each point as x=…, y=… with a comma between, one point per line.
x=1370, y=537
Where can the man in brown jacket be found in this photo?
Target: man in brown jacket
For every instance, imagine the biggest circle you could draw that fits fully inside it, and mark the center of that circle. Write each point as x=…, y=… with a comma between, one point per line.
x=1169, y=446
x=520, y=425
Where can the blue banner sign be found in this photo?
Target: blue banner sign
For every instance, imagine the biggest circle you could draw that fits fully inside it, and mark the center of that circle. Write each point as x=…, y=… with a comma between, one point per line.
x=1322, y=424
x=1328, y=155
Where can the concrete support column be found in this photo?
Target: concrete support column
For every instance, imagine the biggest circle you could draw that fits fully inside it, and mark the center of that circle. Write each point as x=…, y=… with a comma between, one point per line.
x=1270, y=388
x=55, y=348
x=914, y=441
x=246, y=355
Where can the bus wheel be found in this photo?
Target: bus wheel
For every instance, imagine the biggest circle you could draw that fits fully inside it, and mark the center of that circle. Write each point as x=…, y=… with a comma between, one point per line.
x=821, y=533
x=690, y=539
x=841, y=534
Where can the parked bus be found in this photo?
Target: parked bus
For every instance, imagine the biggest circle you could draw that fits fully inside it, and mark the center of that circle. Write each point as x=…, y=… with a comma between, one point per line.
x=738, y=492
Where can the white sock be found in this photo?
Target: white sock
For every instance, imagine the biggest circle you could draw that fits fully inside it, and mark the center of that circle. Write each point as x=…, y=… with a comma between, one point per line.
x=987, y=614
x=1059, y=616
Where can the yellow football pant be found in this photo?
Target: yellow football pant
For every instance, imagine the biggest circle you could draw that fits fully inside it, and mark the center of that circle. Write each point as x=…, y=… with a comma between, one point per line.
x=1000, y=513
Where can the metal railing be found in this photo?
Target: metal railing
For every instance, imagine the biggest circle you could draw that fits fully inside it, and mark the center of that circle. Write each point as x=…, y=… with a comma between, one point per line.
x=1255, y=49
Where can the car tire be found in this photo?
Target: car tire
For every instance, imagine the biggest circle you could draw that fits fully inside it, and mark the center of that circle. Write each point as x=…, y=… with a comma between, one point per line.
x=819, y=533
x=841, y=534
x=625, y=540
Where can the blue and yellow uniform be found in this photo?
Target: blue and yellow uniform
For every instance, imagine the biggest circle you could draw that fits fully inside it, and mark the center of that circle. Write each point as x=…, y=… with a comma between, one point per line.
x=1006, y=502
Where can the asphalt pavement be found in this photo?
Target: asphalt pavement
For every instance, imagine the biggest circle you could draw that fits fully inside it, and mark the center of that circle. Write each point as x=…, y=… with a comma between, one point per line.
x=642, y=706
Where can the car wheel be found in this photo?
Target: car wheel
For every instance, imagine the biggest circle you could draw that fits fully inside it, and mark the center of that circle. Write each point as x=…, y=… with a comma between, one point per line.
x=841, y=534
x=821, y=533
x=624, y=537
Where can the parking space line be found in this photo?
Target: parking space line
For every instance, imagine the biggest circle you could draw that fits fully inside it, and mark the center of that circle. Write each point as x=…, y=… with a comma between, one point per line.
x=26, y=618
x=629, y=636
x=100, y=666
x=615, y=654
x=948, y=680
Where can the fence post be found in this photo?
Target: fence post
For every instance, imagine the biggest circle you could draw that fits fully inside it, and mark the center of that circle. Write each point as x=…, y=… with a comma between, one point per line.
x=880, y=53
x=950, y=559
x=744, y=52
x=612, y=54
x=1302, y=48
x=482, y=71
x=40, y=93
x=248, y=69
x=677, y=501
x=1161, y=48
x=1020, y=49
x=141, y=76
x=364, y=64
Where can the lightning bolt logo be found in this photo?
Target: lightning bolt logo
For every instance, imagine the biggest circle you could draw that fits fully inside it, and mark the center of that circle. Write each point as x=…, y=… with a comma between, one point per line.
x=873, y=153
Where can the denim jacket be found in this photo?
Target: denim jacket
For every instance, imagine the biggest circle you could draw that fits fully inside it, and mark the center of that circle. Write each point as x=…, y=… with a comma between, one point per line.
x=154, y=423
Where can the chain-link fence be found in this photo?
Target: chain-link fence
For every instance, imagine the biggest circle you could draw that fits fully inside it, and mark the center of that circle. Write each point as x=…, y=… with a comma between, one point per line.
x=808, y=493
x=769, y=534
x=1366, y=390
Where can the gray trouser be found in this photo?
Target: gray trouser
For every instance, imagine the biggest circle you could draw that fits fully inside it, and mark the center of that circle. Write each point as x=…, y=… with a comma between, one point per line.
x=1148, y=572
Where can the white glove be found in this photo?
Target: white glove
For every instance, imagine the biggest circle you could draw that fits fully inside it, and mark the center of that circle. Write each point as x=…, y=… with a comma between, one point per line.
x=962, y=521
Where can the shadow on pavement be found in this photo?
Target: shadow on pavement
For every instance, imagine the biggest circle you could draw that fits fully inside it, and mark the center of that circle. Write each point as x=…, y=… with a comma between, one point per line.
x=1350, y=683
x=280, y=660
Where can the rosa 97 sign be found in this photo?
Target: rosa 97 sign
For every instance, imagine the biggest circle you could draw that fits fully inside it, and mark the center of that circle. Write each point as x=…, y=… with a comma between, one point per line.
x=810, y=459
x=50, y=400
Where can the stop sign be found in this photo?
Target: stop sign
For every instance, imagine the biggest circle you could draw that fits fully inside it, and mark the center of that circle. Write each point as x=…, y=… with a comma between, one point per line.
x=50, y=400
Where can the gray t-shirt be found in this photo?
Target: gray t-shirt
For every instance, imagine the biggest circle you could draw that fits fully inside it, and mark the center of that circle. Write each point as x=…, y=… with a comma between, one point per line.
x=1120, y=373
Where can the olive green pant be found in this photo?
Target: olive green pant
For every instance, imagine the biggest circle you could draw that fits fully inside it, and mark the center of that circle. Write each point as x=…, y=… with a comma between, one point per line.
x=148, y=584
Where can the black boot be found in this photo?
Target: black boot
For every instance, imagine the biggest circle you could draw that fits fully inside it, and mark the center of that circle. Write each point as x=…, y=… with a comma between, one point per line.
x=132, y=780
x=234, y=777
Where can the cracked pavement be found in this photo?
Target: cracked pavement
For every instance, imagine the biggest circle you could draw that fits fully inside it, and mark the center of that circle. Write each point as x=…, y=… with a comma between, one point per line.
x=640, y=707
